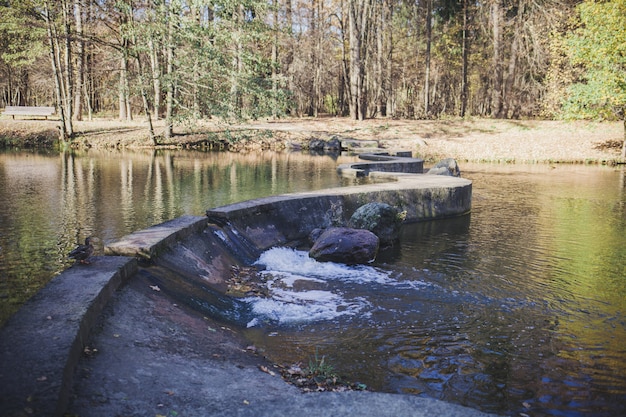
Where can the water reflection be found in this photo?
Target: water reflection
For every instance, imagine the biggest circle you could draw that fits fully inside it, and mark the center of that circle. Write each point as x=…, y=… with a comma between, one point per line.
x=52, y=201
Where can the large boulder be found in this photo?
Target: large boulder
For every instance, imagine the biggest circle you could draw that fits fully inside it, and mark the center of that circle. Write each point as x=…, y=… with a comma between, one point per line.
x=446, y=166
x=379, y=218
x=345, y=245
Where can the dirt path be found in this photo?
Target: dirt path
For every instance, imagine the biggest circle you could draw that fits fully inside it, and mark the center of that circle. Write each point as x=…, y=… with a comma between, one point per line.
x=477, y=140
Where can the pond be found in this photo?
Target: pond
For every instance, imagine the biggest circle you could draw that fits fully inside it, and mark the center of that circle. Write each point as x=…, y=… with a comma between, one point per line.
x=52, y=201
x=517, y=308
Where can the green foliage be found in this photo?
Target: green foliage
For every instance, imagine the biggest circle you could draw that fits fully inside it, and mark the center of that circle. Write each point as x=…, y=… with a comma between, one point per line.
x=22, y=39
x=597, y=47
x=320, y=369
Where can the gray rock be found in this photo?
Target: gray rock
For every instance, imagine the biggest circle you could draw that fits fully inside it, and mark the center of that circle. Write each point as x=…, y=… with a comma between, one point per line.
x=446, y=166
x=379, y=218
x=345, y=245
x=333, y=144
x=317, y=144
x=314, y=235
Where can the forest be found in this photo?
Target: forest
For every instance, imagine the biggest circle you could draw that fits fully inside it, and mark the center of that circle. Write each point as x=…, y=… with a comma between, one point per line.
x=181, y=60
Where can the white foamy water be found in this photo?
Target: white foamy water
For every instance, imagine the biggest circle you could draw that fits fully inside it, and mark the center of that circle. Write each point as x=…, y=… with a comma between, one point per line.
x=293, y=262
x=304, y=290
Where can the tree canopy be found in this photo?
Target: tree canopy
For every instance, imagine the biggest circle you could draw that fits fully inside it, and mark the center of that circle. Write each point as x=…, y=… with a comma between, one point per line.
x=186, y=59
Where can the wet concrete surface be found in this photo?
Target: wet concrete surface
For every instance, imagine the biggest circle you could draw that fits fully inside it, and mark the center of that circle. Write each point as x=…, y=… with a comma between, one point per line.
x=149, y=356
x=41, y=344
x=103, y=340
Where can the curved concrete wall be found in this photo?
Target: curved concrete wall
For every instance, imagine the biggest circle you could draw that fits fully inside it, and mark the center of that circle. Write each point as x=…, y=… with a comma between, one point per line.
x=40, y=345
x=285, y=219
x=289, y=218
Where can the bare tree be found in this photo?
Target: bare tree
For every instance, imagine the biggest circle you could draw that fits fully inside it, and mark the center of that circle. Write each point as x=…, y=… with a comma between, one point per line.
x=80, y=61
x=56, y=69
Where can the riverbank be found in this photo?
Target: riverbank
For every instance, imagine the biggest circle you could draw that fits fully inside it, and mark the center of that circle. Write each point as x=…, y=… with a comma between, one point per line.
x=471, y=140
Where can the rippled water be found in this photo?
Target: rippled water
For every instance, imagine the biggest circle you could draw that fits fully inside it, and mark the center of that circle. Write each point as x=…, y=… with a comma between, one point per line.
x=516, y=308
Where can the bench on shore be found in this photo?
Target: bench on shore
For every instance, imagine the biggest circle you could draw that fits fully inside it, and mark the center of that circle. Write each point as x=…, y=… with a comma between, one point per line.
x=29, y=111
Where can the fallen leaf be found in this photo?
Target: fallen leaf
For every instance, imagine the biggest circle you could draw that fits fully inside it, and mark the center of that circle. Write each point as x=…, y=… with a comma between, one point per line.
x=266, y=370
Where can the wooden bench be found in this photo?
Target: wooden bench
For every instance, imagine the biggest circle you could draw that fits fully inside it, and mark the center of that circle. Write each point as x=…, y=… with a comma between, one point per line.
x=29, y=111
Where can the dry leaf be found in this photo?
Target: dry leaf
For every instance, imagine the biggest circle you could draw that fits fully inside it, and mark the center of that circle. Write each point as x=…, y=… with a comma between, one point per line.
x=266, y=370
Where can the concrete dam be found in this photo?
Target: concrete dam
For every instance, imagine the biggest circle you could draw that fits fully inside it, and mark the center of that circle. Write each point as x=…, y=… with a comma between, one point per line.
x=191, y=259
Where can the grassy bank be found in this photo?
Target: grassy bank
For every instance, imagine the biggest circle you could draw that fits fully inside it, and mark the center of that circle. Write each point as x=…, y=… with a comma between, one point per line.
x=476, y=140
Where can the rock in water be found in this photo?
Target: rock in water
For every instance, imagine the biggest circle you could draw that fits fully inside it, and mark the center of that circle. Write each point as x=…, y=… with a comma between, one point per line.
x=446, y=166
x=345, y=245
x=379, y=218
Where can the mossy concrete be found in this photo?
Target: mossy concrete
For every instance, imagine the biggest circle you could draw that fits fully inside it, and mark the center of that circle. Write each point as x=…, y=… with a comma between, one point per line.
x=41, y=344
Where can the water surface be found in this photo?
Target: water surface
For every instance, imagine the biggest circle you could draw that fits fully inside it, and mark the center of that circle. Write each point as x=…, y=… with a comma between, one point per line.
x=49, y=201
x=517, y=308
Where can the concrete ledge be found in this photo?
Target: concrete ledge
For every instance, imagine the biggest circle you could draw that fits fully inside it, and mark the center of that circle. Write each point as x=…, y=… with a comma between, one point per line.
x=401, y=162
x=148, y=242
x=41, y=344
x=278, y=220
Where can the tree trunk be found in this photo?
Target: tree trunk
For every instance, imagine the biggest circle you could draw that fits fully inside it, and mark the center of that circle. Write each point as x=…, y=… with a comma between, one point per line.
x=379, y=80
x=80, y=61
x=56, y=71
x=169, y=105
x=237, y=64
x=508, y=96
x=497, y=80
x=390, y=105
x=63, y=136
x=155, y=67
x=429, y=37
x=465, y=53
x=69, y=82
x=624, y=144
x=358, y=12
x=319, y=33
x=125, y=111
x=274, y=57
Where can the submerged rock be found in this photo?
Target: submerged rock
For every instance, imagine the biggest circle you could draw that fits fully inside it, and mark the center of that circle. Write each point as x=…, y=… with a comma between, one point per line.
x=379, y=218
x=446, y=166
x=345, y=245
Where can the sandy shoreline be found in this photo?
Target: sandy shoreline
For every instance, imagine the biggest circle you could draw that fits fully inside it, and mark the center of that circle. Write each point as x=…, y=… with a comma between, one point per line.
x=473, y=140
